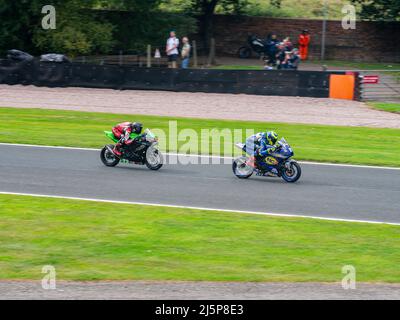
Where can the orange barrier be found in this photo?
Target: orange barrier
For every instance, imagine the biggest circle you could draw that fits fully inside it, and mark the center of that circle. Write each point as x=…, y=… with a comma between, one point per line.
x=342, y=86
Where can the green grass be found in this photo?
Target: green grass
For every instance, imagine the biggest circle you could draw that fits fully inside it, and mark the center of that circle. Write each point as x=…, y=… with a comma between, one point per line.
x=310, y=142
x=363, y=65
x=329, y=63
x=389, y=107
x=100, y=241
x=237, y=67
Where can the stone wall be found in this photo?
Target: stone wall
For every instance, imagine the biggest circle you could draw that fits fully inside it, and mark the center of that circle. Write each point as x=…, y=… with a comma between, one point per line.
x=371, y=41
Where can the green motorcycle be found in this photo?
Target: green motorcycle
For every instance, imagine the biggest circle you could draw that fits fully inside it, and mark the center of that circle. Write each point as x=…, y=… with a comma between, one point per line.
x=143, y=151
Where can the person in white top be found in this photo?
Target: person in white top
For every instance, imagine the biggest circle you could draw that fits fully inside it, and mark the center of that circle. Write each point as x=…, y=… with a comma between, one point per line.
x=172, y=49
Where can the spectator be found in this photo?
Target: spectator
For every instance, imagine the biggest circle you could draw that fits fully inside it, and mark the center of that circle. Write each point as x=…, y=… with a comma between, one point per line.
x=292, y=60
x=281, y=55
x=288, y=44
x=304, y=42
x=295, y=59
x=172, y=49
x=185, y=54
x=271, y=43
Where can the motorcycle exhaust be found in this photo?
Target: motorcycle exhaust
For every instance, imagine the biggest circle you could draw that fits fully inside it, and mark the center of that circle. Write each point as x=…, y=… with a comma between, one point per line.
x=239, y=145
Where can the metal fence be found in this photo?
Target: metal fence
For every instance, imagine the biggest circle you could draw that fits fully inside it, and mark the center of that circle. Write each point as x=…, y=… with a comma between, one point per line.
x=379, y=85
x=152, y=56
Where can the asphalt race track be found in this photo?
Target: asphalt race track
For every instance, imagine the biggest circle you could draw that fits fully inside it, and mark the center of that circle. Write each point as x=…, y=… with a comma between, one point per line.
x=356, y=193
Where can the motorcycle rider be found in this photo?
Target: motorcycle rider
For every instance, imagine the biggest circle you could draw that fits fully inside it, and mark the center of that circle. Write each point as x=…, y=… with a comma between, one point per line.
x=127, y=133
x=253, y=143
x=265, y=146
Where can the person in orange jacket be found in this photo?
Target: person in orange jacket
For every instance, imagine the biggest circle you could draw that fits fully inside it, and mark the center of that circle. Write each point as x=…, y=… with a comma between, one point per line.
x=304, y=42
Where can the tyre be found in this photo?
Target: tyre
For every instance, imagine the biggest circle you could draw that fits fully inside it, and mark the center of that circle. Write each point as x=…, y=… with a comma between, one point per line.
x=108, y=157
x=291, y=174
x=154, y=159
x=244, y=53
x=241, y=169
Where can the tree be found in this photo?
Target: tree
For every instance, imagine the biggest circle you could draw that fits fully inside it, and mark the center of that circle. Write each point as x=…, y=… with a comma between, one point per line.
x=16, y=23
x=206, y=10
x=79, y=30
x=379, y=10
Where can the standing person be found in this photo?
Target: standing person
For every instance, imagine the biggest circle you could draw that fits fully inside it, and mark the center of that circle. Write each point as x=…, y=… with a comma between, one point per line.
x=272, y=42
x=304, y=42
x=172, y=49
x=186, y=49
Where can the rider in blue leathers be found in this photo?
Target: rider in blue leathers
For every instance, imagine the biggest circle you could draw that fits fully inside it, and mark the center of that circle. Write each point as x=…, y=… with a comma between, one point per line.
x=260, y=145
x=267, y=144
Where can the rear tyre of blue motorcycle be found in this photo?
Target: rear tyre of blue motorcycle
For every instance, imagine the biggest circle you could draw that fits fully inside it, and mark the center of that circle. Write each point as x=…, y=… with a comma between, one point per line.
x=240, y=164
x=293, y=174
x=108, y=157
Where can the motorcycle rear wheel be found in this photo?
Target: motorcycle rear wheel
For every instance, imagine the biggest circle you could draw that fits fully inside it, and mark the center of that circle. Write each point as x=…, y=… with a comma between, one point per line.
x=244, y=53
x=108, y=157
x=241, y=169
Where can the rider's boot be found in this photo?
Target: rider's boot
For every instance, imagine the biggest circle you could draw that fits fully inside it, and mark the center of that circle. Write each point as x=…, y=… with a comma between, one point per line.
x=117, y=150
x=252, y=162
x=272, y=173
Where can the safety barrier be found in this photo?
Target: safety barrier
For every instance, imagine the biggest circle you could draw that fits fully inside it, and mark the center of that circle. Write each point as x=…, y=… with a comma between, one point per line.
x=379, y=85
x=259, y=82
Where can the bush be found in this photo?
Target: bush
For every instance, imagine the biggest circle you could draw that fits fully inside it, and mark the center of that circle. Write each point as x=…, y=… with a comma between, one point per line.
x=135, y=31
x=82, y=34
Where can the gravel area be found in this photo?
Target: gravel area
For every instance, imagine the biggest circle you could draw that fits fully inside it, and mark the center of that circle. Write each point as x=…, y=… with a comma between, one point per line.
x=135, y=290
x=200, y=105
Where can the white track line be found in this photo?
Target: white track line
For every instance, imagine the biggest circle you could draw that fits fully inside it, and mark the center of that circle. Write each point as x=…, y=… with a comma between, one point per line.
x=196, y=208
x=204, y=156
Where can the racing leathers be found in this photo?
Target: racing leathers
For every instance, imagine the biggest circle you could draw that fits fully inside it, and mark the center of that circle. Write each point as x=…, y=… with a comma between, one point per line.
x=253, y=143
x=265, y=148
x=123, y=132
x=257, y=146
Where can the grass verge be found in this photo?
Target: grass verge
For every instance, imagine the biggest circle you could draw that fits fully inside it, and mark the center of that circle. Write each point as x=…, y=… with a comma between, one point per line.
x=101, y=241
x=389, y=107
x=239, y=67
x=359, y=65
x=258, y=65
x=310, y=142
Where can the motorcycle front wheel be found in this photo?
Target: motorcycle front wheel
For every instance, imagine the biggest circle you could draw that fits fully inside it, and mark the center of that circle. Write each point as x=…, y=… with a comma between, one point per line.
x=154, y=159
x=241, y=169
x=291, y=174
x=108, y=157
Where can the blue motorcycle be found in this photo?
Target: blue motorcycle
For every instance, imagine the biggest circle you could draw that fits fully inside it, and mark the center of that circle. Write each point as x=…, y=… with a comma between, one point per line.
x=277, y=164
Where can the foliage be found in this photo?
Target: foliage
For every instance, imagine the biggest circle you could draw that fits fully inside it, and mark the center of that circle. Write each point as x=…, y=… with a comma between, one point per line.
x=381, y=10
x=134, y=31
x=78, y=32
x=84, y=27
